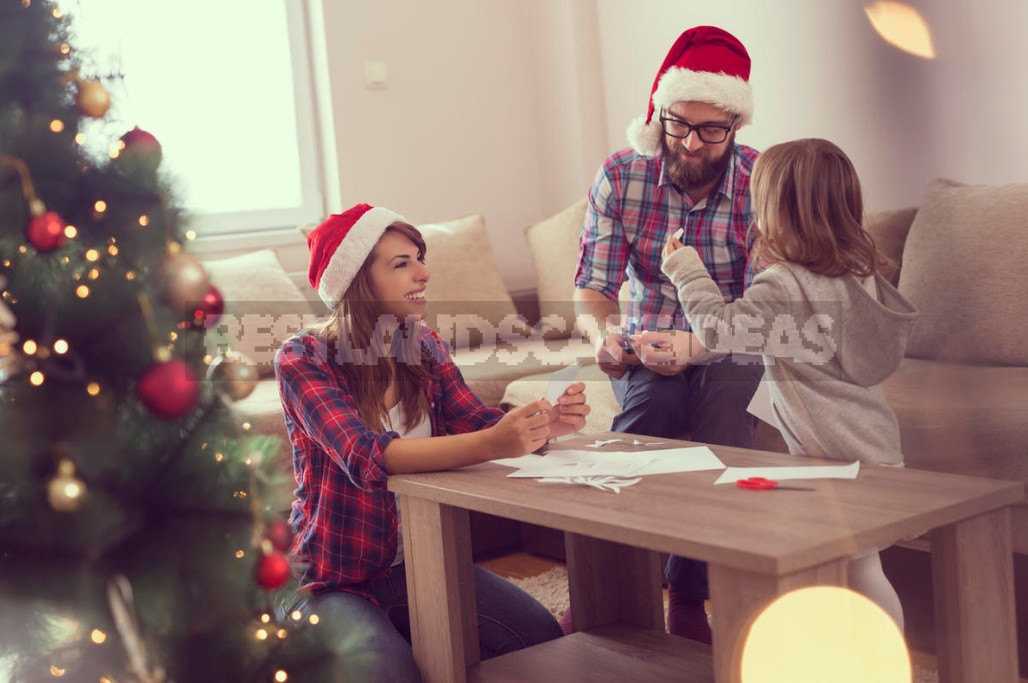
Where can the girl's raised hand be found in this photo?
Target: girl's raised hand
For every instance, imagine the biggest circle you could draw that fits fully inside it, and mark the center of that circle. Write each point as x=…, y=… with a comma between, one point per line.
x=568, y=416
x=671, y=246
x=520, y=431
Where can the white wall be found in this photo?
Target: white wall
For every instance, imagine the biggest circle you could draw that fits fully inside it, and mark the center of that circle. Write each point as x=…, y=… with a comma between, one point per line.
x=507, y=107
x=820, y=70
x=476, y=92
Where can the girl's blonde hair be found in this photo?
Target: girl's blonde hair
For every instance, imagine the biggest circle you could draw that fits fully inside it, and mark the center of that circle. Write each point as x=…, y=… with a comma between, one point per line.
x=370, y=370
x=809, y=209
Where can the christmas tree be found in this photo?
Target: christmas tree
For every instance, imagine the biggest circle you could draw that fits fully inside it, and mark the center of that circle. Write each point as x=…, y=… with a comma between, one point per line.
x=140, y=538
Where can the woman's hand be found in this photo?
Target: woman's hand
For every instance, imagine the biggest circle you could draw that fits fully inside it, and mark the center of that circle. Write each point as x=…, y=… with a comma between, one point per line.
x=520, y=431
x=568, y=416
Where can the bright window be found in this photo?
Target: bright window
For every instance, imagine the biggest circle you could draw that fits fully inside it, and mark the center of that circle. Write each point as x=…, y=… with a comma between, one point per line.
x=226, y=88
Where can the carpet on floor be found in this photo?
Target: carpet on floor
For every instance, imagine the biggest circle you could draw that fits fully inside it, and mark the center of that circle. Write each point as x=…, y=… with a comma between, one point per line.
x=551, y=589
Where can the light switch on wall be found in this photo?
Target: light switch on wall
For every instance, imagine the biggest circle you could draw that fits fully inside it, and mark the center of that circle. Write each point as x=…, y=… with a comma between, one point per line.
x=376, y=74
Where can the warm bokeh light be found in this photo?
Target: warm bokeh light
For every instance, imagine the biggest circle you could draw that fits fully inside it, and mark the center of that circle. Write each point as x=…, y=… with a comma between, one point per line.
x=282, y=633
x=281, y=676
x=37, y=378
x=57, y=125
x=314, y=619
x=100, y=206
x=825, y=633
x=144, y=220
x=98, y=636
x=265, y=618
x=240, y=554
x=112, y=250
x=71, y=232
x=190, y=234
x=901, y=26
x=92, y=255
x=262, y=634
x=60, y=346
x=29, y=347
x=56, y=671
x=93, y=273
x=82, y=291
x=92, y=388
x=218, y=457
x=296, y=615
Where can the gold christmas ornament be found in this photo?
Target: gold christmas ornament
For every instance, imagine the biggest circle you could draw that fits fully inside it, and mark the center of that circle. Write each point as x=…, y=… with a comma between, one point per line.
x=182, y=282
x=8, y=339
x=92, y=99
x=233, y=375
x=65, y=491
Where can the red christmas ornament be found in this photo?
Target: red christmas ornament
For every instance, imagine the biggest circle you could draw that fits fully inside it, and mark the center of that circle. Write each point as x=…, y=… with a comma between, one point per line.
x=280, y=535
x=272, y=571
x=168, y=389
x=141, y=152
x=45, y=232
x=208, y=313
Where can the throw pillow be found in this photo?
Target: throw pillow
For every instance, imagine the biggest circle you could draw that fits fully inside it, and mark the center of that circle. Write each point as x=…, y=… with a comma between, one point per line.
x=263, y=307
x=889, y=230
x=554, y=246
x=468, y=302
x=963, y=268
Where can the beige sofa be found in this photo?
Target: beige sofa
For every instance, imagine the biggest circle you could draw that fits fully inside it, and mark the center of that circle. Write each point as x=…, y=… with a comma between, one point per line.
x=961, y=395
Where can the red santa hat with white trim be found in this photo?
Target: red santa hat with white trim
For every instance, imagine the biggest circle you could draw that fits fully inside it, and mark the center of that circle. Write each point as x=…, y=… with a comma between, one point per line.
x=706, y=64
x=341, y=244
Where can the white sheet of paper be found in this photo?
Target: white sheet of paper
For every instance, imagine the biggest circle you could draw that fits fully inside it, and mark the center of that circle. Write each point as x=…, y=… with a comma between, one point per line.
x=520, y=461
x=574, y=463
x=560, y=381
x=668, y=460
x=760, y=404
x=730, y=475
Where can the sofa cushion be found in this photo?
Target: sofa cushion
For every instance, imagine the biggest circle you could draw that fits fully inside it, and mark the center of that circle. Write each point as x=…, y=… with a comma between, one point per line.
x=964, y=419
x=963, y=268
x=889, y=230
x=465, y=290
x=490, y=369
x=263, y=307
x=554, y=246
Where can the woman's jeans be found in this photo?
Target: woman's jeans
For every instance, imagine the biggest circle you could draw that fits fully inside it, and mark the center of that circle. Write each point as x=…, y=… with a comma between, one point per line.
x=372, y=644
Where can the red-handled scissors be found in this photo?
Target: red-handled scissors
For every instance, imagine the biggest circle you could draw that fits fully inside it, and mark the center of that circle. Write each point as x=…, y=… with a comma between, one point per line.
x=763, y=484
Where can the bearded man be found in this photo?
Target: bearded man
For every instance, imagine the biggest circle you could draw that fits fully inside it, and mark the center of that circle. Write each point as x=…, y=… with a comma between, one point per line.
x=684, y=174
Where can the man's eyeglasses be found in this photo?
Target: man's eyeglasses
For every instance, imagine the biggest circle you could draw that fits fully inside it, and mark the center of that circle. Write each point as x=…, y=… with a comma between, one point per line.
x=708, y=133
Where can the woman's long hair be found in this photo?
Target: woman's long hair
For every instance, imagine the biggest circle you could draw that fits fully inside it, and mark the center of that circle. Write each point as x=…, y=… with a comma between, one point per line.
x=809, y=210
x=354, y=334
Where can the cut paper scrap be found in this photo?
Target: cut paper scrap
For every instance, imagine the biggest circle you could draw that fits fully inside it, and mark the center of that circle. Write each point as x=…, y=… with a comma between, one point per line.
x=600, y=444
x=760, y=404
x=560, y=381
x=612, y=484
x=637, y=442
x=732, y=474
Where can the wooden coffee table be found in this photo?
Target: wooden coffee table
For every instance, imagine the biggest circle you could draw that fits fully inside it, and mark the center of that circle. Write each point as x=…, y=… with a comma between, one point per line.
x=758, y=545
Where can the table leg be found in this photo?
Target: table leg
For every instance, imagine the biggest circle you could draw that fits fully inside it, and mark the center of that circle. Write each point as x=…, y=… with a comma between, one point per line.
x=440, y=588
x=738, y=596
x=609, y=582
x=973, y=585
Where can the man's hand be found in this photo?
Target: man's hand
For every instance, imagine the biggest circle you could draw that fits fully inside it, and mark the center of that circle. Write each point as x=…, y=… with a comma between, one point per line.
x=568, y=415
x=667, y=353
x=611, y=358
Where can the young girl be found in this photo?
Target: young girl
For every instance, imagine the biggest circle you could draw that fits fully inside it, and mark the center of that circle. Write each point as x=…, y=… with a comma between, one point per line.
x=829, y=327
x=373, y=392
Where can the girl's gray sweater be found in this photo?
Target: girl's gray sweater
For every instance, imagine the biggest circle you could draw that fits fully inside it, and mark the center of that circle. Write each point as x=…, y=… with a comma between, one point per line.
x=827, y=343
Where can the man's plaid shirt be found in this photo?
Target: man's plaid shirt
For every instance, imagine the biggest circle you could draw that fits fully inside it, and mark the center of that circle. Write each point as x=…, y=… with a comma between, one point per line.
x=344, y=519
x=633, y=208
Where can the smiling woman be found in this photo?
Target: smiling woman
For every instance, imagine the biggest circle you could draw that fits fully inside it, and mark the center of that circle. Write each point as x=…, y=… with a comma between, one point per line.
x=373, y=392
x=228, y=90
